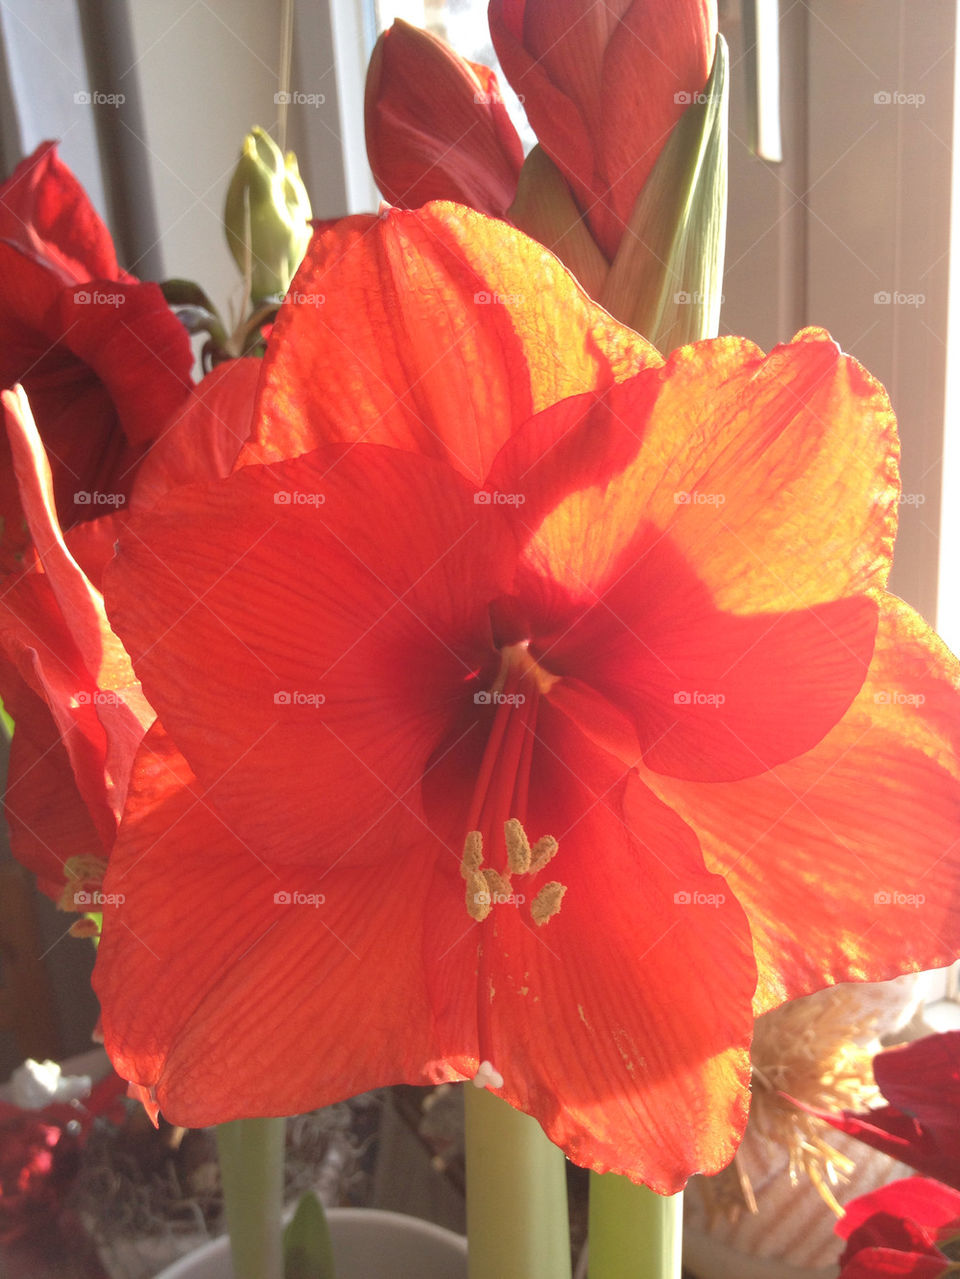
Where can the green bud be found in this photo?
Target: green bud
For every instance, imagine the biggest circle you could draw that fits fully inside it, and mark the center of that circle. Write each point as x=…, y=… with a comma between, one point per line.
x=266, y=216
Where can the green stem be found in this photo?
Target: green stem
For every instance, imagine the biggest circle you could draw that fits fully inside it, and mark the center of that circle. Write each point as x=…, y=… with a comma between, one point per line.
x=634, y=1233
x=251, y=1169
x=517, y=1220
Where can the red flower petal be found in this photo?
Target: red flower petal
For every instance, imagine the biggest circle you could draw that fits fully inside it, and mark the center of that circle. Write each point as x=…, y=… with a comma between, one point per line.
x=45, y=210
x=397, y=317
x=218, y=1048
x=47, y=816
x=840, y=857
x=436, y=126
x=872, y=1262
x=203, y=439
x=918, y=1200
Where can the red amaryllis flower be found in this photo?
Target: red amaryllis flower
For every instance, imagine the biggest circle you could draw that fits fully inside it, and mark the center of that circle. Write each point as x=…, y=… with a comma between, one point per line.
x=921, y=1126
x=603, y=85
x=432, y=674
x=64, y=676
x=104, y=360
x=436, y=126
x=896, y=1230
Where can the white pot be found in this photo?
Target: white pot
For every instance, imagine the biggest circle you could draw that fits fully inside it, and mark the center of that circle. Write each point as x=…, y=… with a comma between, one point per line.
x=367, y=1244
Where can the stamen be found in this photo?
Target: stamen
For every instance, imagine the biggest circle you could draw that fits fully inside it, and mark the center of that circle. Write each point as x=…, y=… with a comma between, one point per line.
x=479, y=901
x=498, y=884
x=487, y=1076
x=547, y=902
x=472, y=853
x=518, y=847
x=543, y=852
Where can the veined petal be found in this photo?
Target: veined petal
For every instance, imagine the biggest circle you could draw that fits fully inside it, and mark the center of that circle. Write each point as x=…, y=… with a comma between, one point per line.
x=194, y=941
x=439, y=331
x=337, y=680
x=843, y=857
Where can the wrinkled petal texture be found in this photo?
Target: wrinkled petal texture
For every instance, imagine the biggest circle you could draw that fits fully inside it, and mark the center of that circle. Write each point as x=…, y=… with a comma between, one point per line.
x=602, y=85
x=436, y=126
x=438, y=331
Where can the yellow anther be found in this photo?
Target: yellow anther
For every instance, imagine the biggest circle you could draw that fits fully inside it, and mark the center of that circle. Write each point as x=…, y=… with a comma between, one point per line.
x=546, y=904
x=472, y=854
x=518, y=847
x=479, y=897
x=499, y=885
x=543, y=852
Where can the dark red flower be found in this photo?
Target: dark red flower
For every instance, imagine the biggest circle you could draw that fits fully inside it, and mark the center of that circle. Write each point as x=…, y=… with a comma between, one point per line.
x=603, y=85
x=896, y=1230
x=103, y=359
x=505, y=571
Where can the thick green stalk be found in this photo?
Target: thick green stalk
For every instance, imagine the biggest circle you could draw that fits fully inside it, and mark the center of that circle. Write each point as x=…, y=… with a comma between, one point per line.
x=634, y=1233
x=251, y=1169
x=517, y=1220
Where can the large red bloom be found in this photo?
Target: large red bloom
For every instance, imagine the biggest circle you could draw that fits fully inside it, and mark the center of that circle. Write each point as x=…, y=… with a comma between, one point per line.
x=103, y=359
x=603, y=85
x=501, y=570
